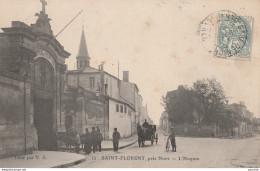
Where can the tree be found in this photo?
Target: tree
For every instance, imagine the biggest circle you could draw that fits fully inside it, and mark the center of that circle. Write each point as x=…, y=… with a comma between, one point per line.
x=179, y=105
x=209, y=98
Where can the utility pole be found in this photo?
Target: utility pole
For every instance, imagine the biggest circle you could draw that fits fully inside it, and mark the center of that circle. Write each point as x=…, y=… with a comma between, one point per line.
x=118, y=70
x=68, y=23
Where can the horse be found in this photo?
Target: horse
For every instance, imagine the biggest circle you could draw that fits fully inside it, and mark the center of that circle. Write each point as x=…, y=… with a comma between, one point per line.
x=140, y=134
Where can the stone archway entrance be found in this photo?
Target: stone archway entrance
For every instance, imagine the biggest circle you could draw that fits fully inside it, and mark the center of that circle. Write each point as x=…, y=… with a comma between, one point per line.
x=43, y=103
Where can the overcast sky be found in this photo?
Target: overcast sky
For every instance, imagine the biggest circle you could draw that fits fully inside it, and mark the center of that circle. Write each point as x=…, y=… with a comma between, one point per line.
x=156, y=41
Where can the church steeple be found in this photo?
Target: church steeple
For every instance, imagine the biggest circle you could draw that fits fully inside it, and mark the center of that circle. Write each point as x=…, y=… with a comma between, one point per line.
x=83, y=58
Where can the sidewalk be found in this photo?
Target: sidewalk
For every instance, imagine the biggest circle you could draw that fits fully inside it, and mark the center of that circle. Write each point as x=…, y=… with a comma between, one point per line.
x=108, y=144
x=43, y=159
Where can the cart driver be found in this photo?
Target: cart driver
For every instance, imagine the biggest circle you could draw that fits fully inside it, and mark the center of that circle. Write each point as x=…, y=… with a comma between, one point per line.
x=145, y=124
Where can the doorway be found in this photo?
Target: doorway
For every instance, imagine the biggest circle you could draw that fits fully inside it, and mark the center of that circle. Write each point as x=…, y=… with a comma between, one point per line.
x=43, y=121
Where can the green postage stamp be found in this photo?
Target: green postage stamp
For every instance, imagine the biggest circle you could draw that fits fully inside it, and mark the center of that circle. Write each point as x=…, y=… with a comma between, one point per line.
x=227, y=35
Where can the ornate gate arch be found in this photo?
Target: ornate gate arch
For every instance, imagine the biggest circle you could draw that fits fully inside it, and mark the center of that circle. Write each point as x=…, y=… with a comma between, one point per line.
x=44, y=94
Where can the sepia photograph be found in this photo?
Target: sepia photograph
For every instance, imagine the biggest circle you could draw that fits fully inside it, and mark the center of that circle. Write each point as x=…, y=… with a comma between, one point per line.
x=129, y=84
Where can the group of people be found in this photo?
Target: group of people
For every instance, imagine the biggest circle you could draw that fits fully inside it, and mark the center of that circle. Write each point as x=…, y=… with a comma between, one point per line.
x=92, y=140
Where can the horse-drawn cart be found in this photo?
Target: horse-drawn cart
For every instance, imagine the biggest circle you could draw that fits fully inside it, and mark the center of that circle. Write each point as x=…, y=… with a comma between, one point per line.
x=147, y=133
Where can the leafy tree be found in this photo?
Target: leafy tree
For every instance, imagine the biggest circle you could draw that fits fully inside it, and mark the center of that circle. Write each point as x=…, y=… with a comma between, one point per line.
x=179, y=105
x=209, y=98
x=70, y=101
x=228, y=119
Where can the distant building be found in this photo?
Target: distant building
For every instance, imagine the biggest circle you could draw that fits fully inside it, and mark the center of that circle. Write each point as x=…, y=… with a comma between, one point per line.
x=245, y=125
x=121, y=104
x=164, y=122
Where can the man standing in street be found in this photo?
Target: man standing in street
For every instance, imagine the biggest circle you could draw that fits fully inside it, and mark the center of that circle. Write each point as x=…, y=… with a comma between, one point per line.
x=87, y=142
x=94, y=139
x=116, y=137
x=77, y=142
x=173, y=141
x=99, y=139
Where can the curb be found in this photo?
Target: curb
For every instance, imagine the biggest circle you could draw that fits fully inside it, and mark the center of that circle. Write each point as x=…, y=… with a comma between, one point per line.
x=84, y=159
x=70, y=164
x=122, y=147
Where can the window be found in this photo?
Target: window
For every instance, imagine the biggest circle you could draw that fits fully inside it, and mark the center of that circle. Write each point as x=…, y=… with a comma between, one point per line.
x=117, y=107
x=121, y=108
x=105, y=89
x=92, y=82
x=125, y=109
x=43, y=74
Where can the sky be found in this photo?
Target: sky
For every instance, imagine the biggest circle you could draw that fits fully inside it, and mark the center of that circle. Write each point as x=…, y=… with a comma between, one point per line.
x=157, y=41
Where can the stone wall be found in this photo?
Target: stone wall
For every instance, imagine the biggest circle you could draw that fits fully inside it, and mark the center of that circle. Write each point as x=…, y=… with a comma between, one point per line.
x=16, y=133
x=120, y=120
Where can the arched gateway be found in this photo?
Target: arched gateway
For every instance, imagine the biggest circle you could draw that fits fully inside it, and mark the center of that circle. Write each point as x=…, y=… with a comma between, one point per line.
x=32, y=68
x=43, y=97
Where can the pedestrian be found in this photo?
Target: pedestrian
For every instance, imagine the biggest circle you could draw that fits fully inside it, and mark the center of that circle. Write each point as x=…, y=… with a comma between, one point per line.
x=97, y=127
x=87, y=142
x=77, y=141
x=173, y=141
x=116, y=137
x=99, y=139
x=138, y=126
x=94, y=139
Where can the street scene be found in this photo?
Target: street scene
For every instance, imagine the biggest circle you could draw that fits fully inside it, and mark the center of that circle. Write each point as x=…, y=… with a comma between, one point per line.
x=203, y=152
x=129, y=84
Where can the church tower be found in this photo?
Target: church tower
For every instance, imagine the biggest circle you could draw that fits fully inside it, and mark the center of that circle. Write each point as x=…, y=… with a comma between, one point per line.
x=83, y=58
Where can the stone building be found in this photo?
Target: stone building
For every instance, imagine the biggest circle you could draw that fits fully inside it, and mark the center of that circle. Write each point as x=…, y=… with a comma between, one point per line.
x=164, y=122
x=32, y=68
x=121, y=102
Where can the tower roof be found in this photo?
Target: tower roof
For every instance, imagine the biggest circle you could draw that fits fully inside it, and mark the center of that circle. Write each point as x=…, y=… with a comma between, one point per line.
x=83, y=51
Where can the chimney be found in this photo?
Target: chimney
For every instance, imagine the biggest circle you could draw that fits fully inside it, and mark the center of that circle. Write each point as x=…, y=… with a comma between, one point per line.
x=126, y=76
x=101, y=67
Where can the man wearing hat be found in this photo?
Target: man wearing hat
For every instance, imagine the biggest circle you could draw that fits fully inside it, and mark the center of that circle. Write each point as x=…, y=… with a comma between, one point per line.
x=87, y=142
x=99, y=139
x=94, y=139
x=116, y=137
x=173, y=141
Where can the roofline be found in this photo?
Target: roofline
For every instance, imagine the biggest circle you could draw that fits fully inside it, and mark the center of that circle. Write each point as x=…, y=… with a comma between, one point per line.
x=119, y=101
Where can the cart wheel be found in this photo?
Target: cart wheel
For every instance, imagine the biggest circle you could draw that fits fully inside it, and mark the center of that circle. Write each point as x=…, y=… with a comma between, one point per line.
x=167, y=146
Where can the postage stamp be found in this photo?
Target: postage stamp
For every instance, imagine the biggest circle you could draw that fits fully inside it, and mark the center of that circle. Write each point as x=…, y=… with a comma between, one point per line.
x=227, y=35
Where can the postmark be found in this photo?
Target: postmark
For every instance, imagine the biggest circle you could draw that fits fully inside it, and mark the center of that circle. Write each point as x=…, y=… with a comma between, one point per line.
x=227, y=35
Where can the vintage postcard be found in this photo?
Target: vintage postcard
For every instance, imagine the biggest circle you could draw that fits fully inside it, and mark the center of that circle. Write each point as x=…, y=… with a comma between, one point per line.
x=129, y=84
